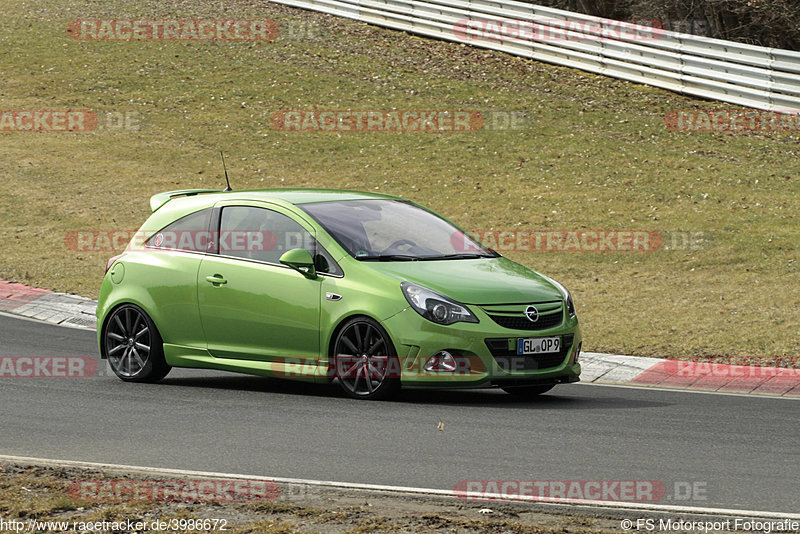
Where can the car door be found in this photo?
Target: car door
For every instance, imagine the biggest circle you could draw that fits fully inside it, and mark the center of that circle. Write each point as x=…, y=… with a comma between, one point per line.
x=251, y=306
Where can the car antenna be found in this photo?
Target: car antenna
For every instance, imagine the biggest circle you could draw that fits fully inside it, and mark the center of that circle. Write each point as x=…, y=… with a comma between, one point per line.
x=226, y=174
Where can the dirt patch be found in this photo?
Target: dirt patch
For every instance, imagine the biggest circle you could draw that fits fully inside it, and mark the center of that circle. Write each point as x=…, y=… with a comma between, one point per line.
x=46, y=495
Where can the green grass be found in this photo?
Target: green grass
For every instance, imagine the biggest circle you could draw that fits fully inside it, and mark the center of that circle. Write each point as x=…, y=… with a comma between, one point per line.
x=595, y=154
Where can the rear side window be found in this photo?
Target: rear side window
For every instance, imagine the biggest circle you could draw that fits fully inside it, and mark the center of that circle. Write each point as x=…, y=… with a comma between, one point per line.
x=264, y=235
x=189, y=233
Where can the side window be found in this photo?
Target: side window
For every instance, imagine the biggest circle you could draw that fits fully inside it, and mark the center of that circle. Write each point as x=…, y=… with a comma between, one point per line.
x=260, y=234
x=324, y=262
x=189, y=233
x=264, y=235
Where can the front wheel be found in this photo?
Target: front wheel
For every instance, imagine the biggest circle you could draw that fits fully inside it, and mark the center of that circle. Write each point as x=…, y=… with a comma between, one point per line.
x=528, y=392
x=133, y=346
x=365, y=360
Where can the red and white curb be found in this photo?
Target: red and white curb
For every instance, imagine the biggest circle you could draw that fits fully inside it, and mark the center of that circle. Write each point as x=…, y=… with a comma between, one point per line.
x=613, y=368
x=48, y=306
x=697, y=376
x=599, y=368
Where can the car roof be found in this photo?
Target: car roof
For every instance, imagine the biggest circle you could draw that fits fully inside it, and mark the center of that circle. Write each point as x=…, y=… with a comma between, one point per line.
x=292, y=196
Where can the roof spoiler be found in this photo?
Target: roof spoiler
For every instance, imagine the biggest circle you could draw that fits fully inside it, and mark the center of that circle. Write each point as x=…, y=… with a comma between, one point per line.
x=156, y=201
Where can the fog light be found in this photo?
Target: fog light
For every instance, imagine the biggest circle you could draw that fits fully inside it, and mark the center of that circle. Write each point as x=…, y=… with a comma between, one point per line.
x=577, y=353
x=442, y=361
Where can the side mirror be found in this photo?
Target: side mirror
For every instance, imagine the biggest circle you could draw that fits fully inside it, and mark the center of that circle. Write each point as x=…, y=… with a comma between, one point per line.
x=301, y=261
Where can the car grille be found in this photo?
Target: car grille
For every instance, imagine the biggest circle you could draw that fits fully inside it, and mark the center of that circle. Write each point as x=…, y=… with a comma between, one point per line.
x=551, y=314
x=509, y=360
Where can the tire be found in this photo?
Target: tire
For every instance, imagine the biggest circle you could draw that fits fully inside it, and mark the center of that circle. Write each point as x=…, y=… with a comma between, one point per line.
x=133, y=346
x=528, y=392
x=365, y=361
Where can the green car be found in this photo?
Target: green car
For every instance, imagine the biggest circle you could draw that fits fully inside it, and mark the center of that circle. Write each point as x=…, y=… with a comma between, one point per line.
x=372, y=290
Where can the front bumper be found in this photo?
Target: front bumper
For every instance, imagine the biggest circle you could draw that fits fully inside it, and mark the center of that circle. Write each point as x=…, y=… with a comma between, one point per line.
x=479, y=347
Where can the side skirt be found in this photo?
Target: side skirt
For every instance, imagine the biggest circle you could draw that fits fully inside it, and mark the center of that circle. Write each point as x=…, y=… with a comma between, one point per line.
x=194, y=358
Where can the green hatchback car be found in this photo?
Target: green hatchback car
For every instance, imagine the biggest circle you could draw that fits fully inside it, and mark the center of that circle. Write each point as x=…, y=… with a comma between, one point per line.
x=372, y=290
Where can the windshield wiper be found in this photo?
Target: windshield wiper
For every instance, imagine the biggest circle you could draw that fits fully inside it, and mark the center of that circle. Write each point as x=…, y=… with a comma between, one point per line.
x=460, y=256
x=388, y=257
x=406, y=257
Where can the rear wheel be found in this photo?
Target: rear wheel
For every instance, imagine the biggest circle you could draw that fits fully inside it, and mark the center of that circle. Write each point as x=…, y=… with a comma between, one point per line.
x=527, y=392
x=133, y=346
x=365, y=360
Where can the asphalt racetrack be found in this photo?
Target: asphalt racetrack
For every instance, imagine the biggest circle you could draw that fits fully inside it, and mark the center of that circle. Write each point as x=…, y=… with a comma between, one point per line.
x=734, y=452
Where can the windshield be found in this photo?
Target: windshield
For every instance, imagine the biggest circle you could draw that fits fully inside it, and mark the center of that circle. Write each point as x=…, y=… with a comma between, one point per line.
x=393, y=230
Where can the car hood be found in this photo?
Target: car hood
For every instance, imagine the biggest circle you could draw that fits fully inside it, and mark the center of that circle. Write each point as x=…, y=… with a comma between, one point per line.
x=475, y=281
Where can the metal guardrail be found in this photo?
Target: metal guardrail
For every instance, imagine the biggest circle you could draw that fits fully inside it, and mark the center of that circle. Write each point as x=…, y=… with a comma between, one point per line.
x=752, y=76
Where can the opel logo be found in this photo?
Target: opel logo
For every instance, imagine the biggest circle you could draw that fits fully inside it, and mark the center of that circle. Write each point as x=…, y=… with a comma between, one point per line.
x=532, y=313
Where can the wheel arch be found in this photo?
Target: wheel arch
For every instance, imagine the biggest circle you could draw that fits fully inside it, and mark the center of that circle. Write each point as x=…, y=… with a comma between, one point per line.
x=108, y=312
x=347, y=318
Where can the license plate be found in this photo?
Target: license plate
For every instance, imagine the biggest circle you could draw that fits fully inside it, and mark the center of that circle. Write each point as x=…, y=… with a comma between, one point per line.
x=538, y=345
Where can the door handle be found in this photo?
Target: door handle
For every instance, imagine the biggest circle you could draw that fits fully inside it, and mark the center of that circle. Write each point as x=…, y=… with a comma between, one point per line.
x=216, y=280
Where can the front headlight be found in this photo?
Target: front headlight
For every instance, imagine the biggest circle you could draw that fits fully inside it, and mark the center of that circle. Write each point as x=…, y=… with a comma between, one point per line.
x=435, y=307
x=567, y=298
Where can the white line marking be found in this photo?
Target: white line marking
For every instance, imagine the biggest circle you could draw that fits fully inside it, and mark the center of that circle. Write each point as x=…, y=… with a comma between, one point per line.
x=405, y=489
